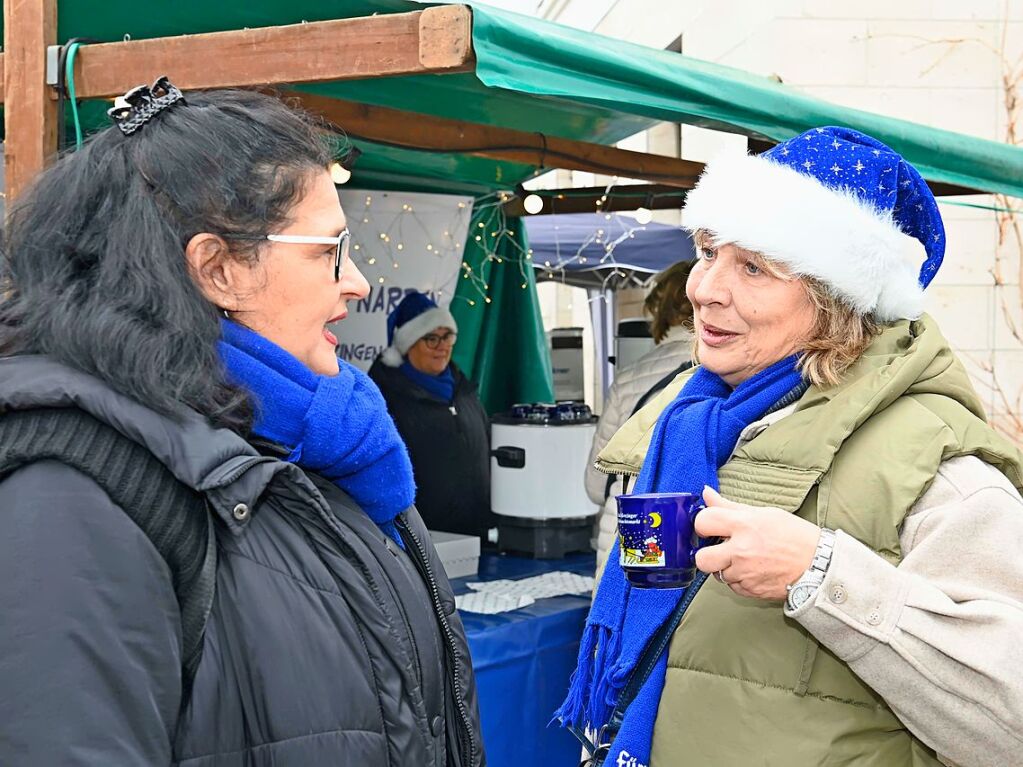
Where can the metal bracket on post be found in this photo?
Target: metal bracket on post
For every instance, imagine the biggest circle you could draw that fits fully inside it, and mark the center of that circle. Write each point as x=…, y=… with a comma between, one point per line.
x=52, y=64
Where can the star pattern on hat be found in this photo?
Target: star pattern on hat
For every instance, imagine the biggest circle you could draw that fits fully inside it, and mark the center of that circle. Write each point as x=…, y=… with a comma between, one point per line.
x=880, y=177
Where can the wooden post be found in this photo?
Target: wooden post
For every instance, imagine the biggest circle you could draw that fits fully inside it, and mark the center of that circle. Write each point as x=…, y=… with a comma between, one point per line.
x=30, y=114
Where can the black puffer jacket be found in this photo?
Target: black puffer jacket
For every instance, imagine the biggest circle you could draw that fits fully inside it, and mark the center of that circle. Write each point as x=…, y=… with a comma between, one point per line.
x=450, y=449
x=323, y=647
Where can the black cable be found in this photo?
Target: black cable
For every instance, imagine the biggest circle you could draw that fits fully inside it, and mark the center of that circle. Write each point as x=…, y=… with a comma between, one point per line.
x=62, y=94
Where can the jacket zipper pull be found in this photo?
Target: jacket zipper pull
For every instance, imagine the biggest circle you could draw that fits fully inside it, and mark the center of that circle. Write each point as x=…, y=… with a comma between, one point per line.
x=453, y=410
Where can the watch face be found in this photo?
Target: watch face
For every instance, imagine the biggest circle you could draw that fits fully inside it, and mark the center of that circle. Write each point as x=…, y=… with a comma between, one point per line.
x=800, y=593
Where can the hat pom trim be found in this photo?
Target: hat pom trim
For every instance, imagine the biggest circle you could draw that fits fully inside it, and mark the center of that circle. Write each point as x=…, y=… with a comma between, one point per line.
x=391, y=357
x=814, y=230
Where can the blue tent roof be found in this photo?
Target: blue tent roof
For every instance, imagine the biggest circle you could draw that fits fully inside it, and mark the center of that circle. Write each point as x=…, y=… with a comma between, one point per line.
x=597, y=249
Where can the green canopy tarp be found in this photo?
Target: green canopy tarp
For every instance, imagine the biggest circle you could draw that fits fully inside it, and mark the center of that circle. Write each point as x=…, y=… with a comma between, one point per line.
x=529, y=56
x=535, y=75
x=500, y=334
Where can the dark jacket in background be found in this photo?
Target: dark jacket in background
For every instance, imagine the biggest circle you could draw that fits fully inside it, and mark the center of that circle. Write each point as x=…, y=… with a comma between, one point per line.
x=326, y=644
x=450, y=449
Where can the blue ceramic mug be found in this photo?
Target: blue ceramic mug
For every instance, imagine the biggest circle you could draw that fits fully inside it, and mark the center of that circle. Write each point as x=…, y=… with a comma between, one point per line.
x=657, y=539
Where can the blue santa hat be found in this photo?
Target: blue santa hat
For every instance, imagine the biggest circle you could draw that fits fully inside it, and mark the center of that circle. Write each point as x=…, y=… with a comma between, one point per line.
x=833, y=204
x=416, y=316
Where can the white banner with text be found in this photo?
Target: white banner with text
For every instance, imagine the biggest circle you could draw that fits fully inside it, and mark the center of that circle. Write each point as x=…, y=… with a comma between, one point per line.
x=401, y=242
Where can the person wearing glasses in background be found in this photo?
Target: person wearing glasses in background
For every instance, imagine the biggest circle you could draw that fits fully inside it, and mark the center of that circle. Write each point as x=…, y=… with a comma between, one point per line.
x=438, y=414
x=209, y=552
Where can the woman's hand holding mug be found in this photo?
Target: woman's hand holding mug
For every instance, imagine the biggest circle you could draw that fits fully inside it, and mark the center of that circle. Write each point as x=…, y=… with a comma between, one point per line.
x=763, y=550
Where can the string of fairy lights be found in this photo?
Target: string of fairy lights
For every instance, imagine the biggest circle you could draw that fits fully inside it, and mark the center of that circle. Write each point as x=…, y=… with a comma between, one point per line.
x=606, y=239
x=397, y=233
x=492, y=230
x=392, y=230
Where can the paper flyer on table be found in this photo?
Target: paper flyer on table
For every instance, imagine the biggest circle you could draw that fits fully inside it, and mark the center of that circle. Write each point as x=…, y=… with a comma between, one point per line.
x=500, y=596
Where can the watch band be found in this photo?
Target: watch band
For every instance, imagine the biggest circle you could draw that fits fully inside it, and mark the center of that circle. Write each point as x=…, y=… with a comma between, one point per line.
x=825, y=548
x=810, y=580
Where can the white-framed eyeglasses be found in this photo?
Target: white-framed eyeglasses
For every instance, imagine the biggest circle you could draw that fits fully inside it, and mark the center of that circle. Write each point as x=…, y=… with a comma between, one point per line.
x=342, y=243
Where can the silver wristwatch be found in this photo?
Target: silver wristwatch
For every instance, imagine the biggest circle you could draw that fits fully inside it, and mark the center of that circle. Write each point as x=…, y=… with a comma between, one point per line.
x=808, y=582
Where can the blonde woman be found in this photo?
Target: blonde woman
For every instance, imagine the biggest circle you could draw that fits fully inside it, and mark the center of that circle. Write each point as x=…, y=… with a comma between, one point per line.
x=866, y=602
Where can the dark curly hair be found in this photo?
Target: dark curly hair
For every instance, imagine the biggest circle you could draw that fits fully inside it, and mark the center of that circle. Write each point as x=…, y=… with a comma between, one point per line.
x=93, y=272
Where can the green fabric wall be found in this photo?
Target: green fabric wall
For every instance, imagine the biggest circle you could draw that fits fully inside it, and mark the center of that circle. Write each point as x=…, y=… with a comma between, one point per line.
x=501, y=343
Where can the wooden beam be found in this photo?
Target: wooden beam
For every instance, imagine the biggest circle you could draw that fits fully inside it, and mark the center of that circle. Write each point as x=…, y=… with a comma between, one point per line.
x=941, y=189
x=432, y=41
x=418, y=131
x=592, y=199
x=445, y=38
x=30, y=115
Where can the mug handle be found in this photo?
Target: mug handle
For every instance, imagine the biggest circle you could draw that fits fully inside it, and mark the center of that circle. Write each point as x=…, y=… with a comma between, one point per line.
x=701, y=542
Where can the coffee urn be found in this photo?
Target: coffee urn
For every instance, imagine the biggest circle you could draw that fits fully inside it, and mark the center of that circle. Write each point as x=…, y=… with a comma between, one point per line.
x=538, y=463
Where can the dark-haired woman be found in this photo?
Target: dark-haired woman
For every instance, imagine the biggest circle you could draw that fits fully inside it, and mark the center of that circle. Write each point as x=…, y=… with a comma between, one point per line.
x=208, y=553
x=439, y=416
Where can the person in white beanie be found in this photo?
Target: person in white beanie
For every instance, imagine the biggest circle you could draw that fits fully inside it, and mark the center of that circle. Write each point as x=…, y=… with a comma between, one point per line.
x=863, y=521
x=439, y=416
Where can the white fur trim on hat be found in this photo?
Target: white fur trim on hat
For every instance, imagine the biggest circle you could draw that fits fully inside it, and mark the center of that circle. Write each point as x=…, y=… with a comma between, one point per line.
x=406, y=335
x=391, y=357
x=816, y=231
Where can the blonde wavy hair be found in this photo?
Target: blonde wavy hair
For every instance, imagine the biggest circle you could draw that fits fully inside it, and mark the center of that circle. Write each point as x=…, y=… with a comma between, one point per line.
x=839, y=335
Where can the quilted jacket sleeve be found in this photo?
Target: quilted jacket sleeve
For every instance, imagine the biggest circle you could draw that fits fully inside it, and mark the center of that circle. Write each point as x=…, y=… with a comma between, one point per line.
x=615, y=414
x=938, y=637
x=90, y=646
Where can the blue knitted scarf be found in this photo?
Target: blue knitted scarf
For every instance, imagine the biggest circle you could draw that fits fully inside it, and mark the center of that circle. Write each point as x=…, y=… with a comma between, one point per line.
x=440, y=386
x=337, y=426
x=694, y=436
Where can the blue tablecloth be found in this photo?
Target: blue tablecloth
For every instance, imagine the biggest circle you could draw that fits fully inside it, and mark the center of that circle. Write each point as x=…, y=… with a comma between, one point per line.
x=523, y=660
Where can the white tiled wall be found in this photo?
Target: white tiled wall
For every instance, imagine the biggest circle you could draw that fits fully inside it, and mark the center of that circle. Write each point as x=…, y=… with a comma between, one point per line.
x=937, y=62
x=932, y=54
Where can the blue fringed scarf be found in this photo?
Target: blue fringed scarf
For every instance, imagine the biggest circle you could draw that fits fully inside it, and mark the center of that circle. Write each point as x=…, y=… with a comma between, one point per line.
x=694, y=436
x=441, y=386
x=337, y=426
